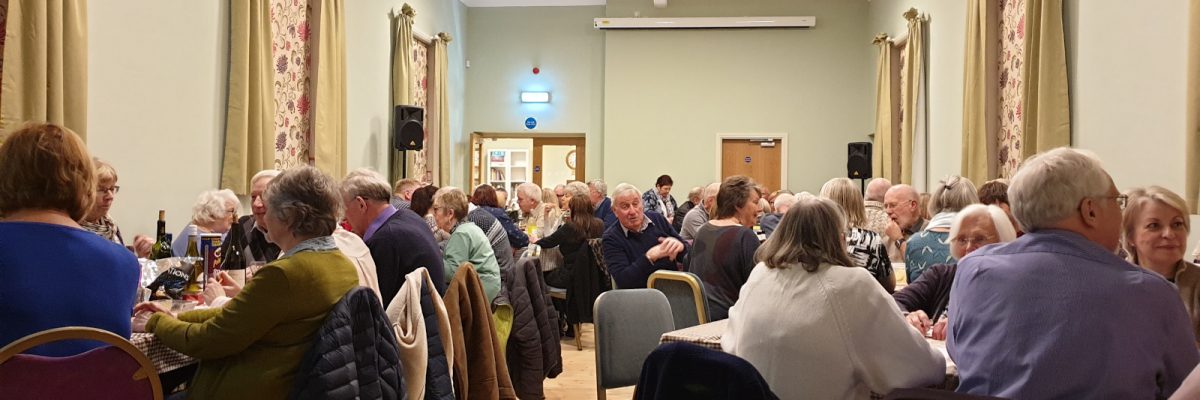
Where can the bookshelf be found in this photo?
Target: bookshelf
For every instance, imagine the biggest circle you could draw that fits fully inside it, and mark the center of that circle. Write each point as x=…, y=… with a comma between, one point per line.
x=508, y=168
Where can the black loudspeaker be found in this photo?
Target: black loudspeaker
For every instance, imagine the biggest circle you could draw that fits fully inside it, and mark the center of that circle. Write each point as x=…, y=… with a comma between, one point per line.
x=407, y=132
x=858, y=160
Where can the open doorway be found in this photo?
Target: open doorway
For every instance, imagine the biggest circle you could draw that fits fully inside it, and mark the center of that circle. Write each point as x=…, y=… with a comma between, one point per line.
x=509, y=159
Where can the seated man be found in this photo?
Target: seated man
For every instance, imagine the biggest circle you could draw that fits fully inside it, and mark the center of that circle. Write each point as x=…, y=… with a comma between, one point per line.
x=1055, y=314
x=698, y=216
x=903, y=206
x=783, y=203
x=598, y=190
x=253, y=225
x=639, y=243
x=877, y=218
x=681, y=212
x=402, y=197
x=400, y=241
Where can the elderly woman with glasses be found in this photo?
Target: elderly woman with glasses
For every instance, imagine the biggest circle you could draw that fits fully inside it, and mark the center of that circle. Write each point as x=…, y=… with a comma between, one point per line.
x=1156, y=227
x=214, y=212
x=467, y=243
x=926, y=299
x=99, y=222
x=252, y=346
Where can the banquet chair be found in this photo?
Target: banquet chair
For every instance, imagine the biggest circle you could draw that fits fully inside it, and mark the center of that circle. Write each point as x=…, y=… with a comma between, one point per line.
x=629, y=325
x=685, y=292
x=115, y=371
x=934, y=394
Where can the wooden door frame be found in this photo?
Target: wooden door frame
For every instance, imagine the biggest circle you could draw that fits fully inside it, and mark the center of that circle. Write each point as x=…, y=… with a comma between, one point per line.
x=783, y=152
x=580, y=144
x=540, y=137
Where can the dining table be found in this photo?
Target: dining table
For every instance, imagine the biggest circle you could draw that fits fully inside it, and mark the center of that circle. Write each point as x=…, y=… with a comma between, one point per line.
x=165, y=359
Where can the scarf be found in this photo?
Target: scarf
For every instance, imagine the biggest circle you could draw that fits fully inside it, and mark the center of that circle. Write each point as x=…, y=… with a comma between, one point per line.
x=941, y=220
x=106, y=228
x=319, y=243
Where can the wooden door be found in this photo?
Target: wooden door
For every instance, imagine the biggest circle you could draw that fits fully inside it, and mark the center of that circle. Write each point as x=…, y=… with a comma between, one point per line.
x=760, y=159
x=540, y=165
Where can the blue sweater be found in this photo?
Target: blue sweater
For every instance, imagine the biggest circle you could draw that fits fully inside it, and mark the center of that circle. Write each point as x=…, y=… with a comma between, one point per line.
x=625, y=255
x=53, y=276
x=403, y=244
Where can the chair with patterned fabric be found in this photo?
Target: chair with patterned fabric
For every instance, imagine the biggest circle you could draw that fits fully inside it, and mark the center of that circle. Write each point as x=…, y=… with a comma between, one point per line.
x=115, y=371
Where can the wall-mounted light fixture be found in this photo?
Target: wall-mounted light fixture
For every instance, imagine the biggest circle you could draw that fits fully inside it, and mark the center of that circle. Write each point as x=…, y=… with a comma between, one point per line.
x=535, y=97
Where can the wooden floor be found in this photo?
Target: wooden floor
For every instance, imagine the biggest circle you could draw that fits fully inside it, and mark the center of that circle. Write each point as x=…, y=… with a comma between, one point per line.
x=578, y=379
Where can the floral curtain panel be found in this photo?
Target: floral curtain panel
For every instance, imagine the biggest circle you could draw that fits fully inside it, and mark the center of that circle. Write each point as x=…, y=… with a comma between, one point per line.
x=421, y=168
x=293, y=90
x=1011, y=85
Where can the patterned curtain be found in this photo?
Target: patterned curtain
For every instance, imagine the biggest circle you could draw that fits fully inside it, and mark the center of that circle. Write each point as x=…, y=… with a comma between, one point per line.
x=420, y=98
x=292, y=53
x=3, y=29
x=1011, y=84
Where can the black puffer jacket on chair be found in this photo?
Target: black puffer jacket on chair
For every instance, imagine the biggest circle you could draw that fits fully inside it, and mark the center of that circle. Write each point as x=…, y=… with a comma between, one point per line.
x=354, y=356
x=533, y=351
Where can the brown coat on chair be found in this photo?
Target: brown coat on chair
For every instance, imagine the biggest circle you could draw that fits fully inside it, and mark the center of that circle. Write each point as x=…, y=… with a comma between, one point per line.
x=480, y=371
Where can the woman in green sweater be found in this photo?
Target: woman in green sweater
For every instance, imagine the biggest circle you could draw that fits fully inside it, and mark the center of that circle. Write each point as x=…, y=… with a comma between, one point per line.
x=467, y=241
x=251, y=347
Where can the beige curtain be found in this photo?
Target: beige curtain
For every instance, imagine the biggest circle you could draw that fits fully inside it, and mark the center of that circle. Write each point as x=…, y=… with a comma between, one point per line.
x=1193, y=108
x=1046, y=102
x=979, y=92
x=329, y=88
x=912, y=91
x=45, y=64
x=250, y=105
x=402, y=50
x=439, y=155
x=885, y=130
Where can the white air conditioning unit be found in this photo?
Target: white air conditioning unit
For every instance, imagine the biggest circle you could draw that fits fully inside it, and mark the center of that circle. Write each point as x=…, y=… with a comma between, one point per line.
x=705, y=23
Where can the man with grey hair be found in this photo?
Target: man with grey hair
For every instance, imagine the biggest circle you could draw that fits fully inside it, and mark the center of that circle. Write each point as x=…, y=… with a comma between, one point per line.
x=698, y=216
x=1022, y=313
x=877, y=218
x=903, y=206
x=681, y=212
x=783, y=203
x=254, y=225
x=598, y=191
x=529, y=197
x=640, y=242
x=400, y=241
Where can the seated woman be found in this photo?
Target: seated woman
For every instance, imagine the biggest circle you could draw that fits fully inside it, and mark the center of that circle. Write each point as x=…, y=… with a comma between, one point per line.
x=213, y=212
x=866, y=247
x=927, y=298
x=574, y=233
x=723, y=252
x=251, y=347
x=97, y=220
x=52, y=272
x=422, y=201
x=467, y=243
x=1156, y=227
x=485, y=198
x=931, y=246
x=818, y=329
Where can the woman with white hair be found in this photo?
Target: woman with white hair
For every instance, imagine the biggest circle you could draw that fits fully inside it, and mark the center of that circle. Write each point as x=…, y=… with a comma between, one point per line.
x=1156, y=227
x=931, y=246
x=926, y=299
x=213, y=212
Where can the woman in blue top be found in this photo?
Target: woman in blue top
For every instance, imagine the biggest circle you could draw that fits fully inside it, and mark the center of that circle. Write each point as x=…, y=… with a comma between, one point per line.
x=931, y=246
x=485, y=198
x=52, y=272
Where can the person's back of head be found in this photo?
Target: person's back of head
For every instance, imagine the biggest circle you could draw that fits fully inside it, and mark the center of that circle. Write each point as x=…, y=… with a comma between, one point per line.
x=694, y=195
x=846, y=194
x=1066, y=189
x=422, y=200
x=993, y=192
x=577, y=188
x=952, y=194
x=810, y=234
x=709, y=196
x=783, y=202
x=485, y=196
x=46, y=167
x=877, y=188
x=583, y=218
x=405, y=187
x=598, y=190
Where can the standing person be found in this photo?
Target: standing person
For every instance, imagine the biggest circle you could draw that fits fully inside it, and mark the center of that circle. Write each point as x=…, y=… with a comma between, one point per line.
x=877, y=217
x=54, y=273
x=1063, y=278
x=99, y=222
x=1156, y=227
x=723, y=254
x=817, y=328
x=699, y=215
x=865, y=247
x=680, y=213
x=640, y=243
x=400, y=241
x=659, y=199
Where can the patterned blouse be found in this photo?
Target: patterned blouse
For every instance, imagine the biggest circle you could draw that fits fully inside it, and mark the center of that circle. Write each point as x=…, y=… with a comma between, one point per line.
x=655, y=203
x=867, y=250
x=926, y=249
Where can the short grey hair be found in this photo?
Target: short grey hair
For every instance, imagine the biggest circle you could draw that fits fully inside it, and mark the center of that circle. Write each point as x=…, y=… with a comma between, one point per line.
x=577, y=188
x=694, y=194
x=452, y=199
x=625, y=188
x=530, y=190
x=711, y=191
x=952, y=194
x=306, y=200
x=877, y=188
x=784, y=200
x=264, y=174
x=368, y=184
x=599, y=186
x=1049, y=186
x=210, y=206
x=1004, y=229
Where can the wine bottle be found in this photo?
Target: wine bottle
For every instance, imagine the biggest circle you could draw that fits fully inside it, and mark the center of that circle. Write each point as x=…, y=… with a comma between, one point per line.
x=196, y=275
x=233, y=260
x=162, y=245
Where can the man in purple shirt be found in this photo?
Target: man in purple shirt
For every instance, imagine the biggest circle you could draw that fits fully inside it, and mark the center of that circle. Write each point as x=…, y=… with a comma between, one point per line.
x=400, y=241
x=1055, y=314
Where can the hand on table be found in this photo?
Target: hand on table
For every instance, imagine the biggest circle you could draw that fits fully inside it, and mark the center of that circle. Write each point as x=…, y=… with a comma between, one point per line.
x=939, y=329
x=142, y=246
x=919, y=321
x=142, y=313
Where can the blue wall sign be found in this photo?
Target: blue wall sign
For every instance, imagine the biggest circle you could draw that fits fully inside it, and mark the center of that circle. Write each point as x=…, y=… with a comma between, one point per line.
x=530, y=123
x=747, y=159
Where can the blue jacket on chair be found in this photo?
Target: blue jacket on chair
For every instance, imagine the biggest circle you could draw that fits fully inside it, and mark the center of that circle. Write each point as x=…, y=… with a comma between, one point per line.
x=687, y=371
x=354, y=356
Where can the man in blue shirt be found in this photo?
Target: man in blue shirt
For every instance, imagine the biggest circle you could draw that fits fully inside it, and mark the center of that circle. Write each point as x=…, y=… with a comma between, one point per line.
x=598, y=190
x=639, y=243
x=1055, y=314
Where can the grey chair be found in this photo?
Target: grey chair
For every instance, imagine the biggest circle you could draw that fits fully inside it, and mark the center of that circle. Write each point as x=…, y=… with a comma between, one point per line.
x=629, y=325
x=685, y=292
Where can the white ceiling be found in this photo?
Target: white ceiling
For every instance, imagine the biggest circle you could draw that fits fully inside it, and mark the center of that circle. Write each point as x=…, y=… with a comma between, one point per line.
x=531, y=3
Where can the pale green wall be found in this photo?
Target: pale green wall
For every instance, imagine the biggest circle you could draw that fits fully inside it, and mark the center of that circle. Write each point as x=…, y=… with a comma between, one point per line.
x=507, y=43
x=668, y=94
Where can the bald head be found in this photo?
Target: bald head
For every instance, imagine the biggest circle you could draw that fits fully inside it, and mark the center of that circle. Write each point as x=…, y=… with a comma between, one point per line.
x=877, y=189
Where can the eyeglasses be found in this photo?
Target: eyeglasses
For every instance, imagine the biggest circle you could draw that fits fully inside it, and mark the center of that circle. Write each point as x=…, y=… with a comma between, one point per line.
x=889, y=206
x=113, y=189
x=1121, y=199
x=979, y=240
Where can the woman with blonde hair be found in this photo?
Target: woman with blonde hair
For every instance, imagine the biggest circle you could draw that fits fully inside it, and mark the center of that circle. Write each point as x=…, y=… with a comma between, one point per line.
x=99, y=222
x=931, y=246
x=818, y=328
x=866, y=248
x=54, y=273
x=1155, y=230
